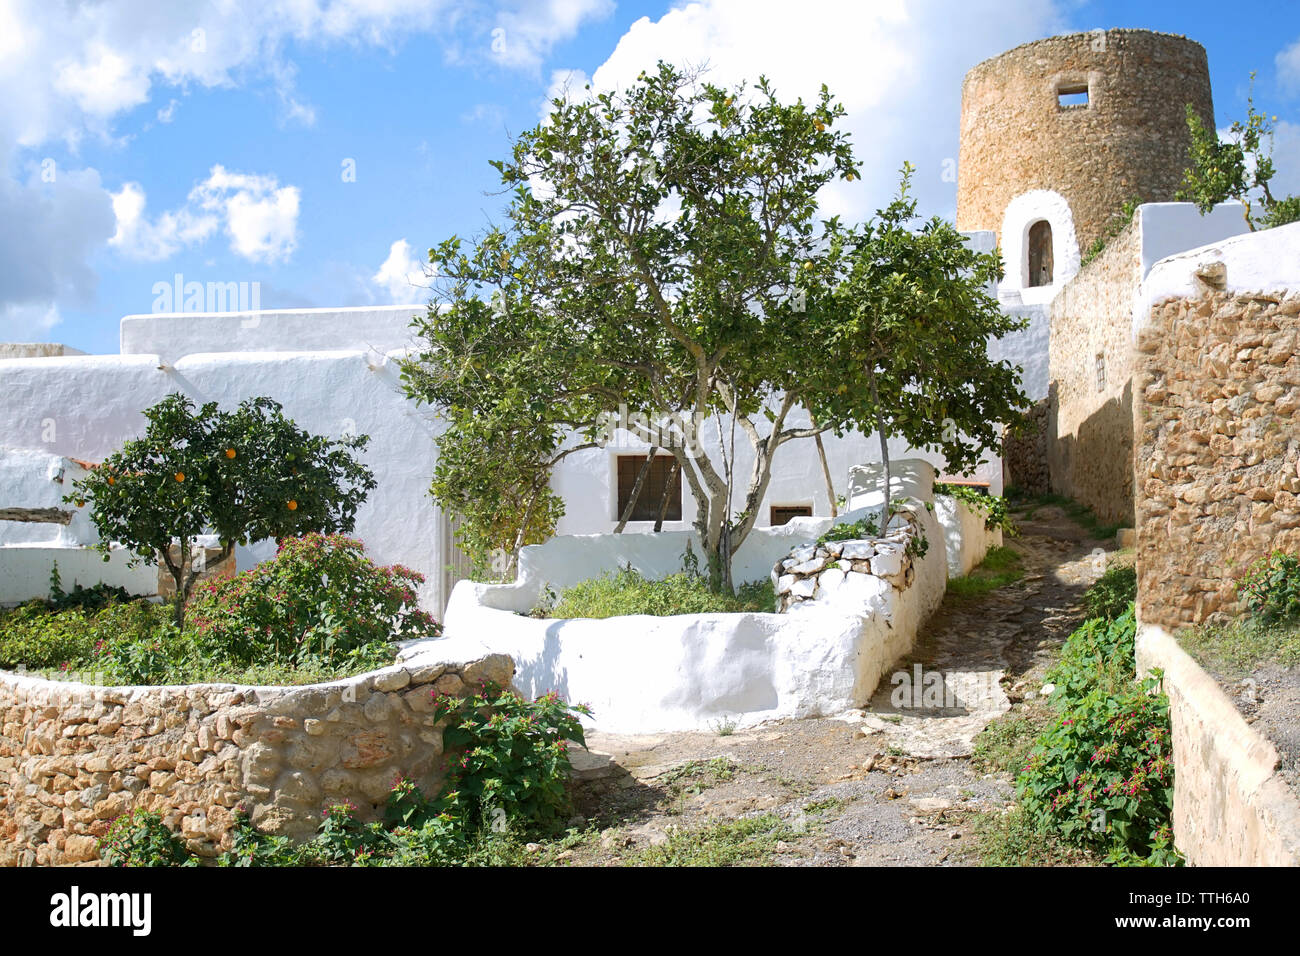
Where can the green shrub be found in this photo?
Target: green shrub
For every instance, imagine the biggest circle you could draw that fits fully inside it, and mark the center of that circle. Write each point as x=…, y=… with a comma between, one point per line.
x=1271, y=589
x=515, y=755
x=320, y=597
x=993, y=507
x=1098, y=654
x=852, y=530
x=1102, y=776
x=93, y=598
x=628, y=592
x=1112, y=593
x=140, y=838
x=33, y=637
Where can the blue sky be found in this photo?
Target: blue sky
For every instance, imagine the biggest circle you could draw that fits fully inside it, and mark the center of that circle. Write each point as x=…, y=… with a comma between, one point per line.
x=214, y=141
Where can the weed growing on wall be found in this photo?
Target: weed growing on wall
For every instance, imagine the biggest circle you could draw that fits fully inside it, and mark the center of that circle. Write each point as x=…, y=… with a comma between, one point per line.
x=140, y=838
x=993, y=507
x=1270, y=590
x=1113, y=592
x=629, y=592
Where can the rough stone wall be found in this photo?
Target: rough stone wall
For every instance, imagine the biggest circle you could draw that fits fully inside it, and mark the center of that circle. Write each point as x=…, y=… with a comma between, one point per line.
x=1218, y=457
x=74, y=757
x=1130, y=140
x=1231, y=806
x=1090, y=429
x=847, y=570
x=1024, y=453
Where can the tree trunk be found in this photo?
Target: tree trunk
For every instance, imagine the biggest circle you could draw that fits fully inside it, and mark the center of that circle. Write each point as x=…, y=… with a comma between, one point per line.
x=668, y=490
x=884, y=452
x=826, y=469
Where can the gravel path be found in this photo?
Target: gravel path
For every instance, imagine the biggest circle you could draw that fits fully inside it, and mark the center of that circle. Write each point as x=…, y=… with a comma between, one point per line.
x=889, y=784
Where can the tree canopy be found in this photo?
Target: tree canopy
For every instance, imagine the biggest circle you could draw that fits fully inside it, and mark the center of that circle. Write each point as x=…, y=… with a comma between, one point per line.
x=662, y=250
x=243, y=475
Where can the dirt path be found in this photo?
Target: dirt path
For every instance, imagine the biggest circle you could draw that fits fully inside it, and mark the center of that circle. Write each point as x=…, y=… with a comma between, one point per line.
x=890, y=784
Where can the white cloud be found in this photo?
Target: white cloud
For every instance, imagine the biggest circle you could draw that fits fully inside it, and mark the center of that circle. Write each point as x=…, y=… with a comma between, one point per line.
x=525, y=34
x=1286, y=159
x=896, y=67
x=569, y=85
x=168, y=112
x=50, y=230
x=138, y=238
x=259, y=216
x=402, y=276
x=1288, y=69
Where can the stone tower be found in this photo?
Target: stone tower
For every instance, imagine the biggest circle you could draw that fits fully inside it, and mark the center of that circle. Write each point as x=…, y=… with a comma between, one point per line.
x=1057, y=134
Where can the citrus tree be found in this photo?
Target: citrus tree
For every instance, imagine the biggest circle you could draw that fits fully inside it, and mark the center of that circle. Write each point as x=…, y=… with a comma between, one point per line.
x=906, y=333
x=1239, y=168
x=244, y=475
x=659, y=246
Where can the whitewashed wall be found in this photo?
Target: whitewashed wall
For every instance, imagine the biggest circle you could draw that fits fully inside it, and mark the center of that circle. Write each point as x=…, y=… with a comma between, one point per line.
x=644, y=674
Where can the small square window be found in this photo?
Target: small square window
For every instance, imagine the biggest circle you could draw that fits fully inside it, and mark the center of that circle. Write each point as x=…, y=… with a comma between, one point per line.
x=781, y=514
x=1072, y=96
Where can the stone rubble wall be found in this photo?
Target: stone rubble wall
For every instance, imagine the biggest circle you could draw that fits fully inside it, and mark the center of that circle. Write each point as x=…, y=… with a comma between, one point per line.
x=1090, y=429
x=74, y=757
x=1130, y=140
x=1024, y=453
x=1218, y=458
x=1231, y=807
x=849, y=570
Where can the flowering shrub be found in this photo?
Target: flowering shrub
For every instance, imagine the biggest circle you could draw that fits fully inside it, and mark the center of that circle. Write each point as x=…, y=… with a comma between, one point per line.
x=320, y=596
x=1271, y=589
x=140, y=838
x=515, y=756
x=1102, y=775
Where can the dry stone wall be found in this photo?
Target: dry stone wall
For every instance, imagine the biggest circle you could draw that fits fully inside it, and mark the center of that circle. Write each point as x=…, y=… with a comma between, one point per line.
x=847, y=571
x=1024, y=453
x=1130, y=140
x=74, y=757
x=1090, y=355
x=1218, y=457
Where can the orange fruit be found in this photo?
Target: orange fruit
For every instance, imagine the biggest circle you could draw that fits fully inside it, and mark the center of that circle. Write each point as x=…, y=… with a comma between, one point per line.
x=292, y=505
x=179, y=476
x=81, y=502
x=820, y=125
x=110, y=479
x=230, y=453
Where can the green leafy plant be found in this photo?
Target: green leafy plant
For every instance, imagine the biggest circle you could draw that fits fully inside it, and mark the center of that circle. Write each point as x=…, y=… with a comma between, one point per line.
x=319, y=597
x=867, y=527
x=513, y=756
x=245, y=475
x=629, y=592
x=1112, y=593
x=1270, y=590
x=993, y=507
x=1239, y=169
x=140, y=838
x=1114, y=226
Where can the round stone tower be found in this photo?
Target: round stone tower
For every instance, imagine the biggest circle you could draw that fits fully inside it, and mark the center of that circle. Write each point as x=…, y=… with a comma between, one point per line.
x=1057, y=134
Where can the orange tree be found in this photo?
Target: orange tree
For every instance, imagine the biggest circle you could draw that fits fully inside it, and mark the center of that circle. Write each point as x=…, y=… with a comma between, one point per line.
x=244, y=475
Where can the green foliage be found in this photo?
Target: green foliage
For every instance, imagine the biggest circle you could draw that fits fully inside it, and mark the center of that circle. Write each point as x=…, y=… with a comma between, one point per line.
x=748, y=841
x=93, y=598
x=1239, y=169
x=863, y=528
x=245, y=475
x=622, y=592
x=320, y=597
x=1001, y=566
x=1270, y=590
x=515, y=755
x=907, y=328
x=317, y=611
x=1112, y=593
x=1101, y=776
x=993, y=507
x=1116, y=224
x=140, y=838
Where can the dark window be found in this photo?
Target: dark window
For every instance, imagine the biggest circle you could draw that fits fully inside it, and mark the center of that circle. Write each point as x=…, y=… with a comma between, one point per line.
x=651, y=498
x=1073, y=96
x=783, y=513
x=1040, y=253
